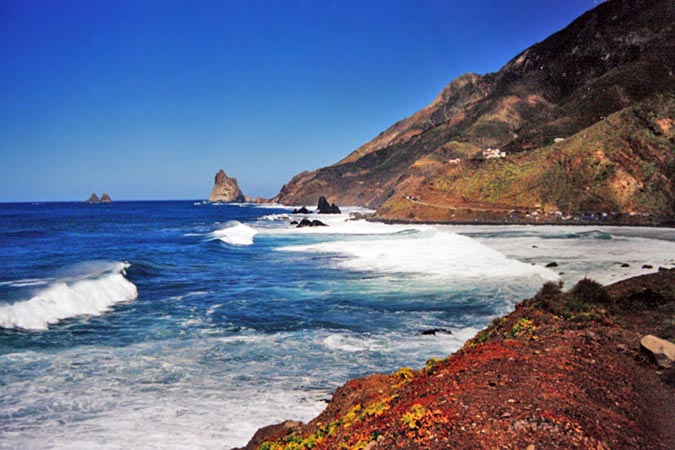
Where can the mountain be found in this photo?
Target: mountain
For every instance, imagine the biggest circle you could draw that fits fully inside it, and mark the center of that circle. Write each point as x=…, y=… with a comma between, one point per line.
x=583, y=122
x=226, y=189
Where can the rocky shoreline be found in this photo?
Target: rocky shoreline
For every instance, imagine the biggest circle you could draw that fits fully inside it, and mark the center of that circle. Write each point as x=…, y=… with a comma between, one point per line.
x=564, y=370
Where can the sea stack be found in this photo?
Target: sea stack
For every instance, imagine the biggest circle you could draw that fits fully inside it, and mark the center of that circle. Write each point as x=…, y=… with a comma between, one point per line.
x=93, y=198
x=105, y=198
x=327, y=208
x=226, y=189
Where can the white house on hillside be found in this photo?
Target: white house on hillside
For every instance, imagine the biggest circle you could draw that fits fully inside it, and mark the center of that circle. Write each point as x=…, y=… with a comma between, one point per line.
x=492, y=153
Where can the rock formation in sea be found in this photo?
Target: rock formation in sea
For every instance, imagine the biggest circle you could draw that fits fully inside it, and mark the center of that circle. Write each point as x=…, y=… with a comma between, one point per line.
x=324, y=207
x=226, y=189
x=580, y=126
x=588, y=368
x=105, y=198
x=93, y=198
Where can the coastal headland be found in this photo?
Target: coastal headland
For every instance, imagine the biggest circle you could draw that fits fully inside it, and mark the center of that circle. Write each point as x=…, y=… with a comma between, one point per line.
x=576, y=128
x=564, y=370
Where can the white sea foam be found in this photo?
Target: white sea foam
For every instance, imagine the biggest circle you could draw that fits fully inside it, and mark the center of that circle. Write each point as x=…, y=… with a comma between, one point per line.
x=92, y=295
x=433, y=253
x=235, y=233
x=579, y=251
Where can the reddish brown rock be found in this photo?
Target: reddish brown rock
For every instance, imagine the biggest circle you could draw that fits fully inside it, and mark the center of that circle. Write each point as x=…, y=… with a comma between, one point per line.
x=226, y=189
x=564, y=370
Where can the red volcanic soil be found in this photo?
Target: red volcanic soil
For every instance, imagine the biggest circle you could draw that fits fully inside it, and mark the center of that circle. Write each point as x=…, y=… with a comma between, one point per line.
x=564, y=370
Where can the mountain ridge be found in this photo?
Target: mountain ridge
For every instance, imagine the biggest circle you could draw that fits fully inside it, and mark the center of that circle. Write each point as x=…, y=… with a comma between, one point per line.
x=611, y=58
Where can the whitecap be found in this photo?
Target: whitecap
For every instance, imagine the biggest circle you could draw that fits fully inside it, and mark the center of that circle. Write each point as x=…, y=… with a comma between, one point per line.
x=92, y=295
x=235, y=233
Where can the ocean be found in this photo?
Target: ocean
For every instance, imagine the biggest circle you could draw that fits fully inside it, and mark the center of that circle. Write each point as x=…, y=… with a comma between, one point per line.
x=185, y=324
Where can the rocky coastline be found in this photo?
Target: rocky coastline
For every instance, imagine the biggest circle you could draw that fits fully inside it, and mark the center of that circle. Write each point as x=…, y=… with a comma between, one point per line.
x=566, y=369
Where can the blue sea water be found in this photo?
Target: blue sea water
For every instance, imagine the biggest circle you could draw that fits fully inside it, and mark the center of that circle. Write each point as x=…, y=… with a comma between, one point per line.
x=189, y=325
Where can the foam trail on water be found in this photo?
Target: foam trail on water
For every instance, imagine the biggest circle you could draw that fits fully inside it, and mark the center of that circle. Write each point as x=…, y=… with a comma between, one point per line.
x=92, y=295
x=435, y=253
x=235, y=233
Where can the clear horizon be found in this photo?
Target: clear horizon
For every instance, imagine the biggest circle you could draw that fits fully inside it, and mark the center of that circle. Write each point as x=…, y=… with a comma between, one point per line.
x=148, y=100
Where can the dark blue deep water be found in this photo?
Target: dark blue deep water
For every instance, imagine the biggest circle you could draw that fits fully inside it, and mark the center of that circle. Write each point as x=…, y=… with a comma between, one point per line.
x=189, y=325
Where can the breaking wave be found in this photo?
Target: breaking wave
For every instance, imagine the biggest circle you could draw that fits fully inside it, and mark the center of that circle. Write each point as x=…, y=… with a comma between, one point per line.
x=235, y=233
x=437, y=254
x=92, y=294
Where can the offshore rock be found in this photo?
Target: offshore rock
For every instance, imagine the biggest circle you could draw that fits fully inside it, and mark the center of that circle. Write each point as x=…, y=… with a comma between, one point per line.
x=310, y=223
x=93, y=198
x=105, y=198
x=226, y=189
x=325, y=208
x=302, y=210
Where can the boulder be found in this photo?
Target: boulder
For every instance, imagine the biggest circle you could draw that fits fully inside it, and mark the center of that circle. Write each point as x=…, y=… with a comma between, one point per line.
x=552, y=264
x=325, y=208
x=93, y=198
x=660, y=350
x=272, y=433
x=302, y=210
x=226, y=190
x=647, y=266
x=105, y=198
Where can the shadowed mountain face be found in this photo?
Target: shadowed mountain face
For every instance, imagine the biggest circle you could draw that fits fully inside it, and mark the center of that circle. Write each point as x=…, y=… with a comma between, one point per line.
x=608, y=78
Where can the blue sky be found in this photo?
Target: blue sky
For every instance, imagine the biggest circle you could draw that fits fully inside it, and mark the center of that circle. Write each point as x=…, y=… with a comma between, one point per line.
x=147, y=99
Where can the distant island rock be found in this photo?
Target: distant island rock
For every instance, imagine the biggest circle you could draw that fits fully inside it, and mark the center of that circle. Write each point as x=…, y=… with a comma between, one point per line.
x=226, y=189
x=93, y=198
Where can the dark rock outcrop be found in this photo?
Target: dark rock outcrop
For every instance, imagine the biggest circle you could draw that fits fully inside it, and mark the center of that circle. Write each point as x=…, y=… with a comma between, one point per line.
x=105, y=198
x=302, y=210
x=327, y=208
x=226, y=190
x=93, y=198
x=435, y=331
x=310, y=223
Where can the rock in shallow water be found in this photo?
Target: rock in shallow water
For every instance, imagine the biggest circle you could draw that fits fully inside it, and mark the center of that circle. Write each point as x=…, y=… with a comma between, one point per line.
x=325, y=208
